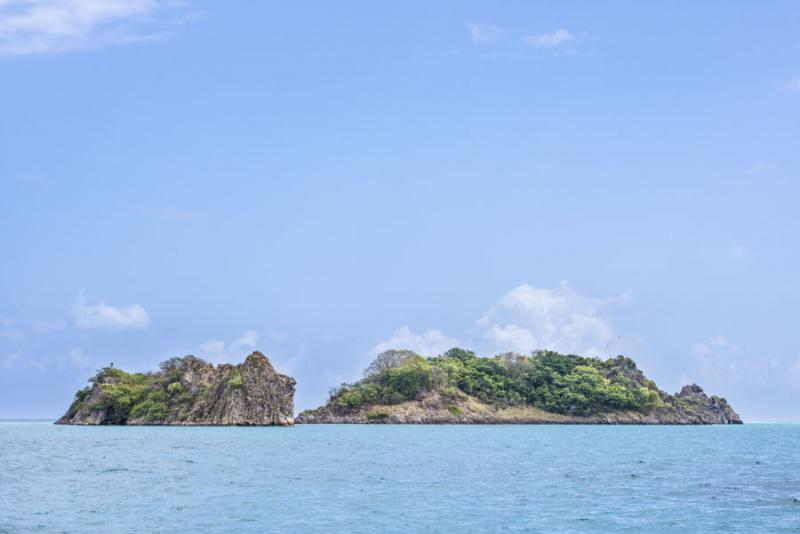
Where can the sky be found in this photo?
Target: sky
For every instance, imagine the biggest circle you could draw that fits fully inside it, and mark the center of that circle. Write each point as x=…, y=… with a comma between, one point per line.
x=322, y=181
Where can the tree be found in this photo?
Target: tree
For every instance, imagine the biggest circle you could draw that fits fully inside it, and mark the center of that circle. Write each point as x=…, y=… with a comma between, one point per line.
x=387, y=360
x=181, y=363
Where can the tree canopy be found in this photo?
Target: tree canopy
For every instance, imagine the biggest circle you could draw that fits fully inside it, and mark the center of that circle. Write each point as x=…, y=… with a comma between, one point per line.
x=552, y=381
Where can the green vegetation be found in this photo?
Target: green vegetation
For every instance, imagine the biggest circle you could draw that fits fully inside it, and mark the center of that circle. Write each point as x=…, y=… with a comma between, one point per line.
x=147, y=396
x=454, y=409
x=235, y=380
x=175, y=388
x=554, y=382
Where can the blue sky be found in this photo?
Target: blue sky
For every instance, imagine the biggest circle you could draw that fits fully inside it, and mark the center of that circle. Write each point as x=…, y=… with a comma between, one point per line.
x=324, y=180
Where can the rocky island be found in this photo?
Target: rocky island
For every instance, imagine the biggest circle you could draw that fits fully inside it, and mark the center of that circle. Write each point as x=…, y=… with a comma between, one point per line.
x=545, y=387
x=187, y=391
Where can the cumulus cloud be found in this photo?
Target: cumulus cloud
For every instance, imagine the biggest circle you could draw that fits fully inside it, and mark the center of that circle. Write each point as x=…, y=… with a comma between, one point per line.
x=549, y=40
x=45, y=26
x=480, y=31
x=430, y=343
x=219, y=351
x=102, y=315
x=529, y=318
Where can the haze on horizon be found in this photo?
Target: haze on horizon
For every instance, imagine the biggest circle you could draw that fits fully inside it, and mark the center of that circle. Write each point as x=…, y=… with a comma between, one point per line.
x=322, y=184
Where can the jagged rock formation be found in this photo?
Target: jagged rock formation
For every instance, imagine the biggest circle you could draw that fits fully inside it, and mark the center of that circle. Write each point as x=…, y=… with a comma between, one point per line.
x=187, y=391
x=547, y=387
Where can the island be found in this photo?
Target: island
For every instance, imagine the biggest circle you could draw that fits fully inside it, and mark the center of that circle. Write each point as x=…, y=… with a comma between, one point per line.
x=458, y=387
x=187, y=391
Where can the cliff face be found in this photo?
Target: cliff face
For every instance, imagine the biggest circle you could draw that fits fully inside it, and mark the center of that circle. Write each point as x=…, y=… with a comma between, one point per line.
x=546, y=387
x=187, y=391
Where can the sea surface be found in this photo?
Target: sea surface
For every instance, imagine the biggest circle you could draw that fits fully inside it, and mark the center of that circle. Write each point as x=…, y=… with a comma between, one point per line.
x=381, y=478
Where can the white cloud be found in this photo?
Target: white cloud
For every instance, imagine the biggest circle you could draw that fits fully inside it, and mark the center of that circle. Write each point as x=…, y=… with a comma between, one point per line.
x=218, y=351
x=46, y=26
x=480, y=31
x=549, y=40
x=793, y=85
x=529, y=318
x=716, y=361
x=429, y=343
x=102, y=315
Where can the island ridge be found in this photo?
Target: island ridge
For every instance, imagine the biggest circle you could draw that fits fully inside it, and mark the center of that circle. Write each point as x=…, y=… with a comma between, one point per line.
x=545, y=387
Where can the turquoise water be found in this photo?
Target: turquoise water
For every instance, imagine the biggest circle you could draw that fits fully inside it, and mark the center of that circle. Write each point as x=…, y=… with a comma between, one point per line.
x=400, y=479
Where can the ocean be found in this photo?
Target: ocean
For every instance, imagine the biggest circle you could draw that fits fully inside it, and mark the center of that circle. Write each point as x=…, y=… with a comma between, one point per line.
x=382, y=478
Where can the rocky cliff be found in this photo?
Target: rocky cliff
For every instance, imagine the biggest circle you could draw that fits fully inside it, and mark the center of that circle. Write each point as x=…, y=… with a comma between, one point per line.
x=546, y=387
x=187, y=391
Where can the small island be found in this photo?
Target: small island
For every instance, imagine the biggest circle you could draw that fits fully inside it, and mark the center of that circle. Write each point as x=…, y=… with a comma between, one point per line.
x=187, y=391
x=545, y=387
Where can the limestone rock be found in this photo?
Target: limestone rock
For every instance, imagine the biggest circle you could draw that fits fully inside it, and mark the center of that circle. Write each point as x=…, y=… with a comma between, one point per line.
x=188, y=391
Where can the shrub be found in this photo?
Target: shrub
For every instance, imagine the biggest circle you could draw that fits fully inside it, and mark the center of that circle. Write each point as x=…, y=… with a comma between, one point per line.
x=175, y=388
x=235, y=380
x=149, y=410
x=157, y=396
x=410, y=379
x=373, y=415
x=184, y=398
x=454, y=409
x=549, y=380
x=387, y=360
x=351, y=398
x=74, y=407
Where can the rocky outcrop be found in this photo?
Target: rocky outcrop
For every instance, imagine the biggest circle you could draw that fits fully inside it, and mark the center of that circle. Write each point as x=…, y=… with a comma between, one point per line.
x=187, y=391
x=694, y=406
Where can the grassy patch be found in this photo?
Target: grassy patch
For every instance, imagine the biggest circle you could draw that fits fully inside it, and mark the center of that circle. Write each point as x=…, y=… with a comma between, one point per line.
x=454, y=409
x=235, y=381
